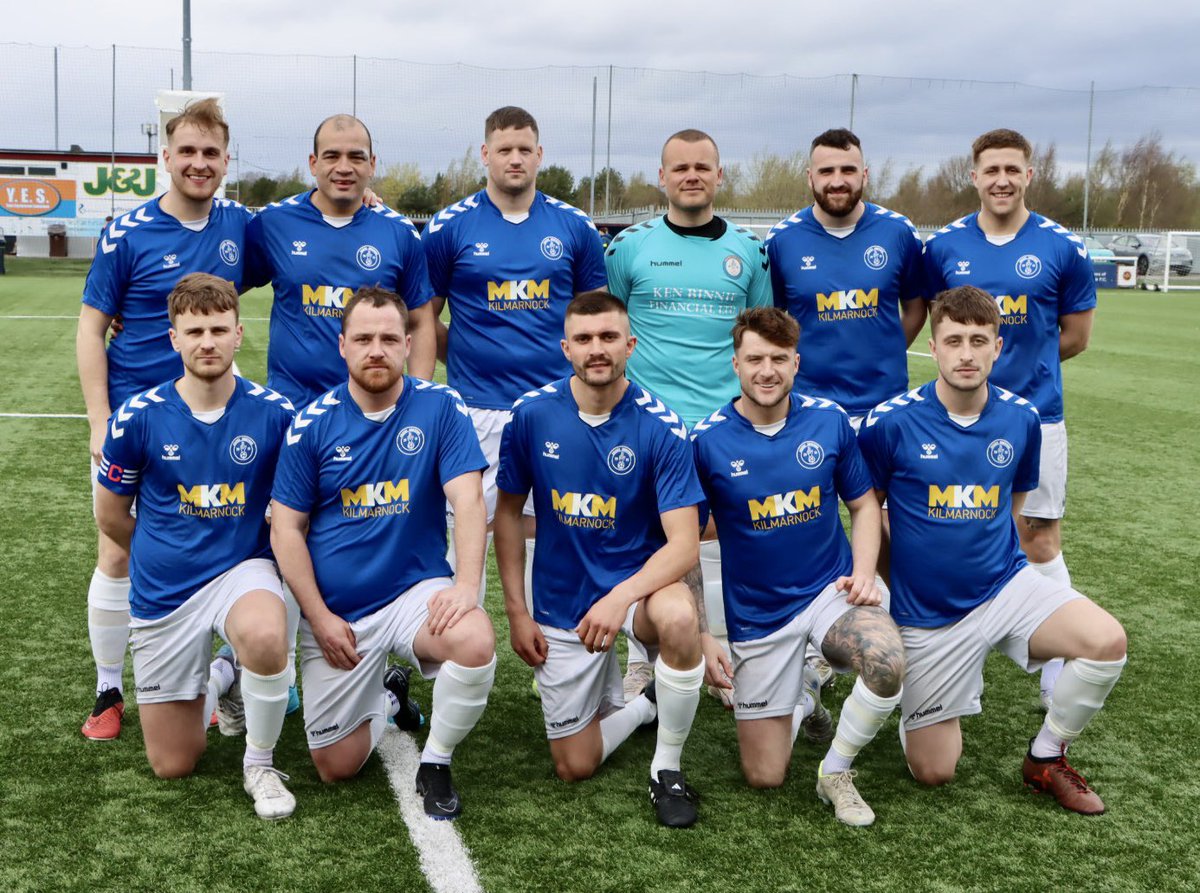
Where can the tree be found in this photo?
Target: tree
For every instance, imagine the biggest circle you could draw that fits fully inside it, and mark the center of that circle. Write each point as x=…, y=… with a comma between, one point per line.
x=774, y=182
x=557, y=182
x=397, y=181
x=641, y=193
x=604, y=177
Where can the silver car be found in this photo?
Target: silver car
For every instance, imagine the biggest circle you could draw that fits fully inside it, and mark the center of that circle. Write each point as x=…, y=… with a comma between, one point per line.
x=1150, y=251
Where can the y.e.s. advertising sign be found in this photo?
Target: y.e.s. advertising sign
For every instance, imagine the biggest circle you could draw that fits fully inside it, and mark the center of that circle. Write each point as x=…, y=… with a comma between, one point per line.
x=35, y=197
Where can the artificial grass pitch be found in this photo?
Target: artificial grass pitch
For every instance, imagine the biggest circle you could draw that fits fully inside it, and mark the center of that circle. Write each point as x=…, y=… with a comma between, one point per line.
x=82, y=815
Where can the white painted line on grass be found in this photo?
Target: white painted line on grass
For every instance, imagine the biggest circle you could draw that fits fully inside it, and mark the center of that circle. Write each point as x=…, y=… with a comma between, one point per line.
x=244, y=318
x=41, y=415
x=917, y=353
x=445, y=859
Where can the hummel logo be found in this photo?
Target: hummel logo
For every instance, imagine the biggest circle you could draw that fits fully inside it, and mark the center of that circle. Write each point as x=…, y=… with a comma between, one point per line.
x=551, y=451
x=170, y=452
x=481, y=249
x=808, y=262
x=739, y=468
x=170, y=262
x=964, y=268
x=298, y=249
x=343, y=454
x=929, y=451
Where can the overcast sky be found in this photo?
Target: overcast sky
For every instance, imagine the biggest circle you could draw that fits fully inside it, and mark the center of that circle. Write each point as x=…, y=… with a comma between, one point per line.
x=431, y=114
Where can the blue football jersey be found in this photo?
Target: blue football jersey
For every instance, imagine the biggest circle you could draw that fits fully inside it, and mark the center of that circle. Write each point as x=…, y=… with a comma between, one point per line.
x=315, y=268
x=949, y=491
x=140, y=257
x=1042, y=274
x=508, y=286
x=598, y=492
x=775, y=501
x=845, y=294
x=373, y=491
x=202, y=489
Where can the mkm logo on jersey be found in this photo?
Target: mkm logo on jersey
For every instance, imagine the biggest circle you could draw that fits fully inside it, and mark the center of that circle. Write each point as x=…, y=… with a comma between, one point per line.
x=213, y=500
x=519, y=294
x=785, y=509
x=850, y=303
x=585, y=509
x=325, y=300
x=1013, y=310
x=964, y=502
x=376, y=499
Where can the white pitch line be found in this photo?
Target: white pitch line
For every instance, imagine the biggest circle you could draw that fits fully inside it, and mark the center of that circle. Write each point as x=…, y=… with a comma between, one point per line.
x=41, y=415
x=445, y=860
x=917, y=353
x=244, y=318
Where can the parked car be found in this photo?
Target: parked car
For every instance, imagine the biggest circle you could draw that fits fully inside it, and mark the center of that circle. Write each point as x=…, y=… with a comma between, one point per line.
x=1150, y=251
x=1097, y=251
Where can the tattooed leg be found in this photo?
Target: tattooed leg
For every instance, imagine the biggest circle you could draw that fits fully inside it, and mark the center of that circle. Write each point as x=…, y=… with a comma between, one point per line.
x=867, y=640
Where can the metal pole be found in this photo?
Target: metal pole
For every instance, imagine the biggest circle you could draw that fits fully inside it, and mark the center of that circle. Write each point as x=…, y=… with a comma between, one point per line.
x=853, y=90
x=112, y=195
x=1087, y=175
x=354, y=88
x=592, y=180
x=608, y=150
x=56, y=99
x=187, y=44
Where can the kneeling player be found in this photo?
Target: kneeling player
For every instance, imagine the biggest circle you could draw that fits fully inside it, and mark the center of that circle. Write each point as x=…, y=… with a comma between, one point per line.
x=955, y=459
x=773, y=464
x=615, y=494
x=199, y=454
x=359, y=526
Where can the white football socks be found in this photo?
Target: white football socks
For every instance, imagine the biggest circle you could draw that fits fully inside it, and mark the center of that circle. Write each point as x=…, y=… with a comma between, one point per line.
x=459, y=696
x=266, y=700
x=677, y=693
x=714, y=600
x=619, y=724
x=108, y=627
x=1080, y=693
x=1055, y=569
x=863, y=714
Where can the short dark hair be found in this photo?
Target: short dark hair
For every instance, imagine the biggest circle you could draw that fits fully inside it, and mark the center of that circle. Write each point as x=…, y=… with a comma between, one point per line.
x=375, y=296
x=205, y=114
x=966, y=305
x=342, y=122
x=836, y=138
x=593, y=303
x=690, y=135
x=769, y=323
x=1001, y=138
x=509, y=117
x=201, y=293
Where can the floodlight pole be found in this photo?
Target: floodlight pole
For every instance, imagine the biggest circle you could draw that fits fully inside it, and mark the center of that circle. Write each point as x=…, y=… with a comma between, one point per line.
x=187, y=44
x=608, y=150
x=592, y=184
x=853, y=90
x=1087, y=175
x=56, y=99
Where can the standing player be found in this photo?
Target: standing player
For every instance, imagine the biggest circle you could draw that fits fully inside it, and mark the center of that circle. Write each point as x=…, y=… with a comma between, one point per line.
x=317, y=248
x=685, y=276
x=358, y=525
x=508, y=259
x=955, y=459
x=140, y=257
x=849, y=272
x=616, y=493
x=1041, y=277
x=772, y=464
x=199, y=454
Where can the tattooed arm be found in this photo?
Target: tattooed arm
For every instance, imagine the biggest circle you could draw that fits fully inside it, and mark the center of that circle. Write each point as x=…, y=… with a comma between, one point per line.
x=718, y=670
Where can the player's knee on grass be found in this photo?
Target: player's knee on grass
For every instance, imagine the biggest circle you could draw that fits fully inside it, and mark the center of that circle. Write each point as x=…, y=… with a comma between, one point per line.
x=578, y=757
x=173, y=763
x=343, y=759
x=762, y=775
x=931, y=767
x=1107, y=641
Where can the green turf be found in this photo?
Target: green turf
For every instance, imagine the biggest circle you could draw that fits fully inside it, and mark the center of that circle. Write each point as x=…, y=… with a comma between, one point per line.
x=87, y=816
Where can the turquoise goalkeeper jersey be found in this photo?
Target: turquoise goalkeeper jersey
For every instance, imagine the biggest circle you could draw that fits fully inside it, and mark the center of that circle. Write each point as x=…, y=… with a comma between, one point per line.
x=684, y=290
